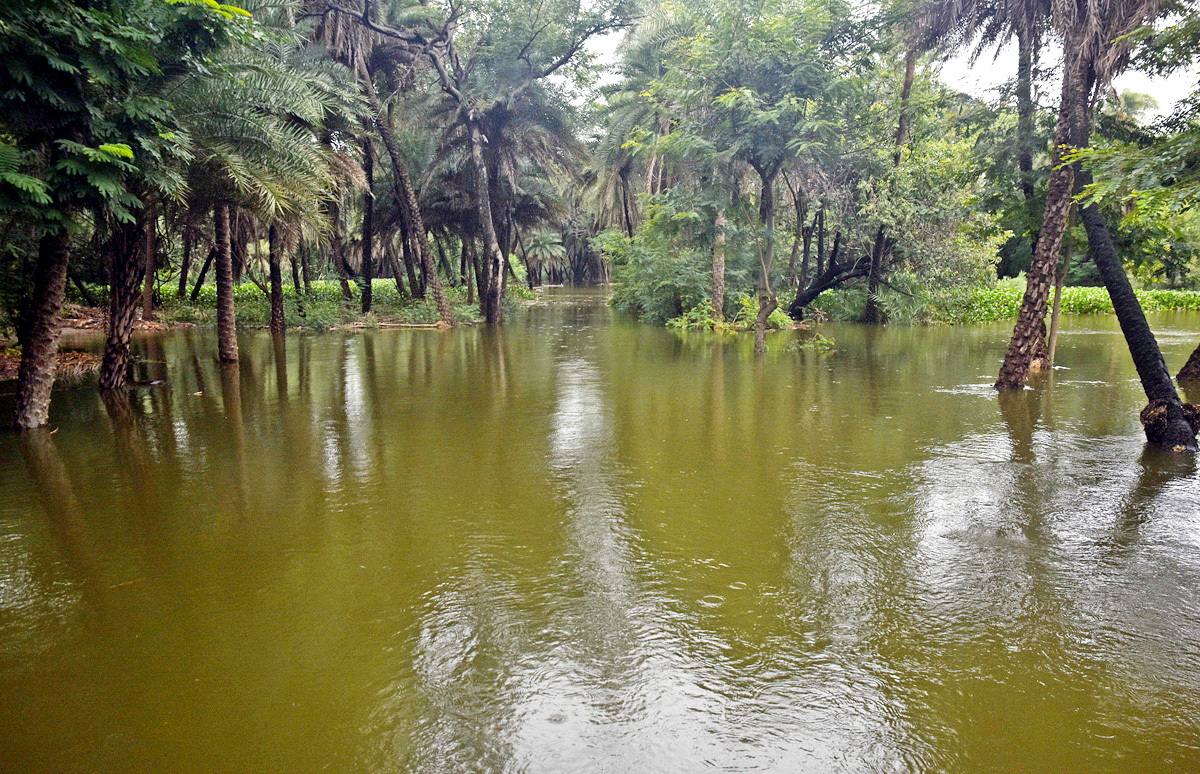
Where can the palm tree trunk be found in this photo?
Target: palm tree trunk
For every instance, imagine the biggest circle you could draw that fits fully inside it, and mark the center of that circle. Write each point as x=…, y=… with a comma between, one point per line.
x=227, y=347
x=208, y=261
x=186, y=264
x=493, y=260
x=275, y=252
x=1165, y=421
x=368, y=228
x=1028, y=337
x=410, y=266
x=127, y=248
x=1060, y=278
x=872, y=313
x=148, y=257
x=767, y=303
x=407, y=197
x=296, y=281
x=1191, y=369
x=1025, y=113
x=718, y=267
x=39, y=339
x=389, y=250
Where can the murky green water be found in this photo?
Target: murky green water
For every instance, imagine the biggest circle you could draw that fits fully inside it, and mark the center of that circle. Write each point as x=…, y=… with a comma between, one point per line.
x=583, y=545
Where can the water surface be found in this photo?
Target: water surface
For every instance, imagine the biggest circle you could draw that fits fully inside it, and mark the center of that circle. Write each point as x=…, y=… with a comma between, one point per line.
x=584, y=545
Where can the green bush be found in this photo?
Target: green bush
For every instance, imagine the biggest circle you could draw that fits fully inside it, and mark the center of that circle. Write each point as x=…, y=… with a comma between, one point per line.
x=325, y=308
x=989, y=303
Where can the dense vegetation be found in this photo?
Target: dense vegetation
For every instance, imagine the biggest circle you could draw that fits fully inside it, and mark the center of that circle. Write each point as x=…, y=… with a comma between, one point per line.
x=735, y=164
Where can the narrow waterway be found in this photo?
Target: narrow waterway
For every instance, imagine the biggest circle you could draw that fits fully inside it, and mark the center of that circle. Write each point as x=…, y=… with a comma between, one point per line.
x=580, y=544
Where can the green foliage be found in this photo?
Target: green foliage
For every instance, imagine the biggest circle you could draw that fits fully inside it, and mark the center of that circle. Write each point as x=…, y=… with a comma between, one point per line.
x=701, y=317
x=1001, y=301
x=324, y=308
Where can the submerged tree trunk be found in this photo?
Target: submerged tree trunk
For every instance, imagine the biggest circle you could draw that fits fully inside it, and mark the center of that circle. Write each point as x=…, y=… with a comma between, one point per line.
x=1191, y=369
x=127, y=264
x=275, y=252
x=1165, y=420
x=227, y=347
x=1028, y=337
x=767, y=303
x=40, y=329
x=718, y=267
x=1060, y=278
x=368, y=228
x=493, y=259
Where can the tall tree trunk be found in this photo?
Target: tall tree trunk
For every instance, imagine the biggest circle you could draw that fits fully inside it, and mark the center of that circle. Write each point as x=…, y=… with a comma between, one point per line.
x=1164, y=419
x=410, y=266
x=275, y=252
x=339, y=252
x=767, y=302
x=407, y=197
x=306, y=272
x=368, y=227
x=1025, y=114
x=296, y=260
x=208, y=261
x=39, y=339
x=718, y=266
x=493, y=260
x=1060, y=278
x=872, y=313
x=389, y=249
x=1028, y=337
x=148, y=258
x=227, y=347
x=186, y=265
x=127, y=264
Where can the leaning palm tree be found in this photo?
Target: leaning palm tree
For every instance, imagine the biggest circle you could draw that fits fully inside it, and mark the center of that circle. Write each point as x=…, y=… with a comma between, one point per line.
x=1096, y=43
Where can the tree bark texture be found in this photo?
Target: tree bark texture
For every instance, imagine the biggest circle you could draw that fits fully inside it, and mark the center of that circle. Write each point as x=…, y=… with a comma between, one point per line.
x=39, y=342
x=368, y=228
x=227, y=348
x=275, y=250
x=1191, y=369
x=1028, y=339
x=718, y=267
x=126, y=267
x=493, y=260
x=148, y=259
x=1164, y=419
x=186, y=265
x=406, y=195
x=767, y=303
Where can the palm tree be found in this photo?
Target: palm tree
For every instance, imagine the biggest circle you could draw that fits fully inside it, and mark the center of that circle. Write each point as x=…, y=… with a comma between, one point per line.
x=1096, y=46
x=256, y=118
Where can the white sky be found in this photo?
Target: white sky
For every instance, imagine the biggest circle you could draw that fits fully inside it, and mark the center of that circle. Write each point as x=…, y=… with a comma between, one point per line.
x=983, y=77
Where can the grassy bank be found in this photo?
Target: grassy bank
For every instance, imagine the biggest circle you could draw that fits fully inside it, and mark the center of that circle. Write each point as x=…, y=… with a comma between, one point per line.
x=919, y=306
x=325, y=308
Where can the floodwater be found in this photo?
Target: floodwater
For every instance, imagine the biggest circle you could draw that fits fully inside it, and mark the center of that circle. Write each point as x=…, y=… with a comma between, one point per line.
x=585, y=545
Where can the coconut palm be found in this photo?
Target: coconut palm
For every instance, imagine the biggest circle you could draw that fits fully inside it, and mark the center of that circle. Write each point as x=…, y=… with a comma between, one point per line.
x=256, y=121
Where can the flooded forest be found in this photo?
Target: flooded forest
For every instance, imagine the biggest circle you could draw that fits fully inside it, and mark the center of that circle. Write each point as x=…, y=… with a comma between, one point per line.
x=599, y=386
